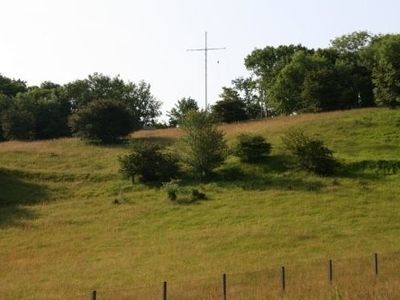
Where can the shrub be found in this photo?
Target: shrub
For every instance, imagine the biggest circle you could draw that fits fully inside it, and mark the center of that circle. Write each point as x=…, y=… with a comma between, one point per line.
x=252, y=148
x=310, y=153
x=104, y=121
x=147, y=162
x=203, y=147
x=172, y=188
x=182, y=195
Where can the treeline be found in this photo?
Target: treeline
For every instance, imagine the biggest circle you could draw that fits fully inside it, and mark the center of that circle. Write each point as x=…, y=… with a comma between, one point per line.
x=356, y=70
x=99, y=108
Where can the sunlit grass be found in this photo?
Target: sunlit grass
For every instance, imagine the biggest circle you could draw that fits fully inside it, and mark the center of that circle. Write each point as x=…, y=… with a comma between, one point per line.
x=61, y=235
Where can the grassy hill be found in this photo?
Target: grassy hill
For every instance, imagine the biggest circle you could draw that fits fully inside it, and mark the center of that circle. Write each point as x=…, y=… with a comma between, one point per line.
x=61, y=235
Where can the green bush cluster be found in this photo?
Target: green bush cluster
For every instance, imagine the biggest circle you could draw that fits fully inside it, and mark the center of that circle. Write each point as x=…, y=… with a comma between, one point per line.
x=252, y=148
x=310, y=153
x=147, y=162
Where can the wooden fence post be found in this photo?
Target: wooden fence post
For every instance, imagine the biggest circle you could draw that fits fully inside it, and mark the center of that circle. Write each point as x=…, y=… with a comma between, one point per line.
x=94, y=295
x=224, y=286
x=283, y=278
x=165, y=290
x=330, y=271
x=376, y=263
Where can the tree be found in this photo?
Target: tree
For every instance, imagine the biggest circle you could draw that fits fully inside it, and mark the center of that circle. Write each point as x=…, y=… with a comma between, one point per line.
x=386, y=70
x=141, y=104
x=178, y=112
x=248, y=91
x=285, y=95
x=354, y=63
x=230, y=108
x=5, y=103
x=104, y=121
x=17, y=125
x=352, y=42
x=11, y=87
x=49, y=108
x=203, y=147
x=321, y=89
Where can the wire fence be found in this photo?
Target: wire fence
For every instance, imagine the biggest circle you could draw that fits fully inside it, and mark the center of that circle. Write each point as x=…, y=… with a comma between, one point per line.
x=374, y=276
x=369, y=277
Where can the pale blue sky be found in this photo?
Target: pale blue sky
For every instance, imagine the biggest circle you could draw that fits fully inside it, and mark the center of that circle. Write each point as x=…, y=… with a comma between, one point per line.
x=62, y=40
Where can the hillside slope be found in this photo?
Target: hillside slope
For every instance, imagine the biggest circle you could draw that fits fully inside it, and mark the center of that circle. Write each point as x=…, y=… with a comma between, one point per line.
x=61, y=235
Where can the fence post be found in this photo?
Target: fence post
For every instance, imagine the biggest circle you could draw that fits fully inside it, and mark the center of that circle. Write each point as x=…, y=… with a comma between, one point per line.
x=224, y=286
x=94, y=294
x=283, y=278
x=376, y=263
x=165, y=290
x=330, y=271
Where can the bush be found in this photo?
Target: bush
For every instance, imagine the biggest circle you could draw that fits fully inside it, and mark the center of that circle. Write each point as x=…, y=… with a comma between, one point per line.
x=104, y=121
x=203, y=147
x=182, y=195
x=311, y=154
x=147, y=162
x=172, y=188
x=252, y=148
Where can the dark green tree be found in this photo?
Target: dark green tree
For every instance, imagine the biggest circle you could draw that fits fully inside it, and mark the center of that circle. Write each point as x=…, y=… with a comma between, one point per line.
x=386, y=70
x=230, y=108
x=141, y=104
x=17, y=124
x=104, y=121
x=178, y=112
x=11, y=87
x=50, y=110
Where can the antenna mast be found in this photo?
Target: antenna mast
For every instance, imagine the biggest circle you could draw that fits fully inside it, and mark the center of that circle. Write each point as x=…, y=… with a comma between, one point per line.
x=205, y=50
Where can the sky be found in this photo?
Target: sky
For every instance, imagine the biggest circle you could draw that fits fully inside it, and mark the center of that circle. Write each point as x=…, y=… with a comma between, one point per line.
x=65, y=40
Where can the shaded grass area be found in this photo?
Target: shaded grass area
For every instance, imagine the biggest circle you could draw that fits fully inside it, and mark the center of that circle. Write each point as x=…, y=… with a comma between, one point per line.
x=16, y=197
x=61, y=235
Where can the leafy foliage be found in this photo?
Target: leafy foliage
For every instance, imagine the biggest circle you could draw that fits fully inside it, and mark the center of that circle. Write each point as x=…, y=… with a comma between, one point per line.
x=148, y=162
x=230, y=108
x=203, y=147
x=141, y=104
x=104, y=121
x=252, y=148
x=17, y=125
x=178, y=112
x=310, y=153
x=386, y=72
x=11, y=87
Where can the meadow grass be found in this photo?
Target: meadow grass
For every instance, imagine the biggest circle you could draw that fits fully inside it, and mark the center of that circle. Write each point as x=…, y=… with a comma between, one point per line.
x=61, y=235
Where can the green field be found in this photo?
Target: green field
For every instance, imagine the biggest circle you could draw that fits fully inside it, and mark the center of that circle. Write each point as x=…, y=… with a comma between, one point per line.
x=61, y=235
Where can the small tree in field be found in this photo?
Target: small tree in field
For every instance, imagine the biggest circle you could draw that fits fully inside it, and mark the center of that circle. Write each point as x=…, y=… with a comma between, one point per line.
x=203, y=147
